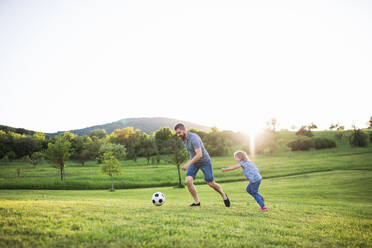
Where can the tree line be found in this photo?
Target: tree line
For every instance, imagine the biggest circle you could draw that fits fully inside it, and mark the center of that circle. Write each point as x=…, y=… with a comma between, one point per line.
x=128, y=143
x=135, y=143
x=122, y=144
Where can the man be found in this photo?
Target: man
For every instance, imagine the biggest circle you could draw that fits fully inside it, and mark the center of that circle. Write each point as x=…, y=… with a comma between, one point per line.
x=199, y=159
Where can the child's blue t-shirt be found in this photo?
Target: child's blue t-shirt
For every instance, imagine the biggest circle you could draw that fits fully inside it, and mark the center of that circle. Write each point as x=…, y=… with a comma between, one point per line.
x=250, y=171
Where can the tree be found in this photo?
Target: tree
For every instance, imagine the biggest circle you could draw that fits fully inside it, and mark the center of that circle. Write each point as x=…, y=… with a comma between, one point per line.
x=117, y=150
x=25, y=145
x=131, y=139
x=370, y=122
x=358, y=138
x=93, y=148
x=337, y=126
x=201, y=133
x=312, y=126
x=333, y=126
x=178, y=155
x=58, y=153
x=98, y=134
x=304, y=131
x=215, y=143
x=121, y=136
x=272, y=124
x=232, y=138
x=341, y=128
x=78, y=144
x=162, y=136
x=134, y=146
x=6, y=143
x=11, y=156
x=39, y=136
x=69, y=136
x=110, y=167
x=84, y=156
x=36, y=158
x=41, y=139
x=149, y=148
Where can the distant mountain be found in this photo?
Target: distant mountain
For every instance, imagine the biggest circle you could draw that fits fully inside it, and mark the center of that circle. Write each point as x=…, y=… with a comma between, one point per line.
x=147, y=125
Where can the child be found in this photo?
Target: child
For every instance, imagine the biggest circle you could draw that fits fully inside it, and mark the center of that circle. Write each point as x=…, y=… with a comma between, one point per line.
x=251, y=173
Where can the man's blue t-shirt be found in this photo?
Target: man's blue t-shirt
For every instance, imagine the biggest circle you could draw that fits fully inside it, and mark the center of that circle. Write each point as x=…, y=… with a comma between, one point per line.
x=194, y=142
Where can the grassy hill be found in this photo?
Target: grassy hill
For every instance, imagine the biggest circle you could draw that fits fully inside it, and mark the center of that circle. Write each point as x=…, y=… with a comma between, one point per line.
x=147, y=125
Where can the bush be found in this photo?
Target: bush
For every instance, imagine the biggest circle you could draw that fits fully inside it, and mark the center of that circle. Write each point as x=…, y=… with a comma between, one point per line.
x=323, y=143
x=5, y=159
x=303, y=144
x=358, y=138
x=11, y=155
x=26, y=159
x=370, y=136
x=36, y=158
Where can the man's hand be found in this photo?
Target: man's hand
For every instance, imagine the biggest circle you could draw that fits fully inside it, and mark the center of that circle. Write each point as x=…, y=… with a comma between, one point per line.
x=185, y=167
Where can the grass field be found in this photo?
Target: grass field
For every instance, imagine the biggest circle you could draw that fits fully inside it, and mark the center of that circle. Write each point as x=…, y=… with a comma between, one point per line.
x=321, y=209
x=316, y=199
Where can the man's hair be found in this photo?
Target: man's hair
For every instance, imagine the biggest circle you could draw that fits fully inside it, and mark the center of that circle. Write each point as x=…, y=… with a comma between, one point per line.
x=180, y=126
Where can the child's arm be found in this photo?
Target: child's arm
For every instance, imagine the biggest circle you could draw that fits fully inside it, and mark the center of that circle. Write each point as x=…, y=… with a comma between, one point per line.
x=234, y=167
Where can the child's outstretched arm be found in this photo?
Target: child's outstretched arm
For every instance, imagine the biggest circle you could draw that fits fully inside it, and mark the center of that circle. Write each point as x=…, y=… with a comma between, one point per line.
x=234, y=167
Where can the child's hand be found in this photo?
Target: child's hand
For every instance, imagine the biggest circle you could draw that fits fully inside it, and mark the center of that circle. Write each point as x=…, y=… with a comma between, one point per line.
x=223, y=169
x=246, y=179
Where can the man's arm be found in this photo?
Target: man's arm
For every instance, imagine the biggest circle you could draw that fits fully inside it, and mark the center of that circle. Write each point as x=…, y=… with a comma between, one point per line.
x=194, y=159
x=234, y=167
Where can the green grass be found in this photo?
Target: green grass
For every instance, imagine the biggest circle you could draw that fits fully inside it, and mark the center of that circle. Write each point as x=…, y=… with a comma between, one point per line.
x=322, y=209
x=316, y=199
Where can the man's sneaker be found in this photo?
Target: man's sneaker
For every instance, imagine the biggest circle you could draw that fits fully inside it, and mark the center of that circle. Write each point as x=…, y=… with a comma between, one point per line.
x=195, y=205
x=264, y=209
x=262, y=198
x=227, y=201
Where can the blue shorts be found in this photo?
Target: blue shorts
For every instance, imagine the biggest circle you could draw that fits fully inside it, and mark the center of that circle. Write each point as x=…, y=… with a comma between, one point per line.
x=206, y=167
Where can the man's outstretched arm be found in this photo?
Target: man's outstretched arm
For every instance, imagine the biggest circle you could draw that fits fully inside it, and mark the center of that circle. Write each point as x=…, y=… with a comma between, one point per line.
x=194, y=159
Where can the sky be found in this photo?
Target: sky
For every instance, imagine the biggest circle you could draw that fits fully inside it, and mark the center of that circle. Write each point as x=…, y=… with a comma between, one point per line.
x=231, y=64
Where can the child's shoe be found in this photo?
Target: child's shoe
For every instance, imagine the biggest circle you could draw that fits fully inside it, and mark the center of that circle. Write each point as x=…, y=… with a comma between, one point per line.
x=264, y=209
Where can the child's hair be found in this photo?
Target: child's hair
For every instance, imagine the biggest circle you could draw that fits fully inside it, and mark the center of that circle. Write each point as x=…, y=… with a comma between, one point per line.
x=242, y=155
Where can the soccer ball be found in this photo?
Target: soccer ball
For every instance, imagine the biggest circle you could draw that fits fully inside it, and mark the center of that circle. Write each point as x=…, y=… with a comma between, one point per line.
x=158, y=198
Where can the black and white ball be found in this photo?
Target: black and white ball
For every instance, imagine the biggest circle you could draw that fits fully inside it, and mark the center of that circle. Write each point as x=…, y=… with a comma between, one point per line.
x=158, y=198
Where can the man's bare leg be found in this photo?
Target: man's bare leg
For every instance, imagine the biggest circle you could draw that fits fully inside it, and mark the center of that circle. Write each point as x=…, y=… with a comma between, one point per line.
x=218, y=188
x=192, y=189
